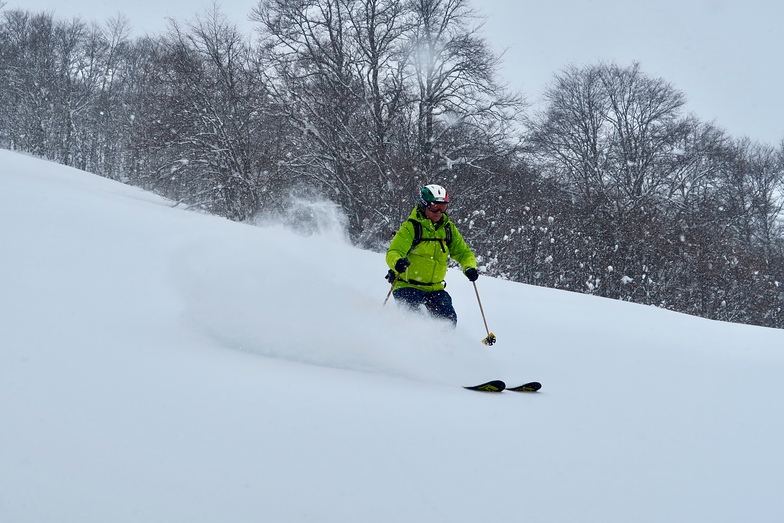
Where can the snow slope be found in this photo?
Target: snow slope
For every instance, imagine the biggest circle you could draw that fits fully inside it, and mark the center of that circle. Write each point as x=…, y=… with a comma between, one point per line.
x=159, y=365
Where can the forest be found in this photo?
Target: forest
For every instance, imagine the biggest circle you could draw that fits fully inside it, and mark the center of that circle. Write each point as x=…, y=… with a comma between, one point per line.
x=610, y=188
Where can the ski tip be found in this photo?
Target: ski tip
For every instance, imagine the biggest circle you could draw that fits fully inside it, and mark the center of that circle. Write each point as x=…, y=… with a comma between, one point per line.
x=532, y=386
x=490, y=386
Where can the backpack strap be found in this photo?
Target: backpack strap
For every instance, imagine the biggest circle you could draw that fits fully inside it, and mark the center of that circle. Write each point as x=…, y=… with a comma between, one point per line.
x=418, y=235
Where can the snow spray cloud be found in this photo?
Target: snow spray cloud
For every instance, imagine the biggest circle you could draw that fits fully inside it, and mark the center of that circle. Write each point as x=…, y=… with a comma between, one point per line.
x=308, y=214
x=310, y=300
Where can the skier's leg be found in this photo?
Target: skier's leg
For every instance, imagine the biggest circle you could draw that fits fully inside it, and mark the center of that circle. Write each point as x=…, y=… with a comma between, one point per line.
x=439, y=304
x=409, y=297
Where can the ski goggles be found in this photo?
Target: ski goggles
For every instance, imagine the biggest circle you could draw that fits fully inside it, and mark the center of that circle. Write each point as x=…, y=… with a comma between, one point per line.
x=437, y=207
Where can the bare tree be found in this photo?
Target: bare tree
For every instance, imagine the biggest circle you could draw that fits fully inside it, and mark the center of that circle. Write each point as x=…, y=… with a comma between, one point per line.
x=753, y=192
x=338, y=75
x=211, y=133
x=459, y=100
x=645, y=126
x=387, y=94
x=612, y=133
x=29, y=70
x=613, y=138
x=567, y=139
x=378, y=27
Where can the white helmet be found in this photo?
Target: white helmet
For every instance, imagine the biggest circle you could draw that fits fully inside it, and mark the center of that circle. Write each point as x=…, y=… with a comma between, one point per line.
x=433, y=194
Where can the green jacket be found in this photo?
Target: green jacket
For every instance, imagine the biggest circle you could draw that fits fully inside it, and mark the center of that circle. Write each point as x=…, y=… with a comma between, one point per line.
x=428, y=259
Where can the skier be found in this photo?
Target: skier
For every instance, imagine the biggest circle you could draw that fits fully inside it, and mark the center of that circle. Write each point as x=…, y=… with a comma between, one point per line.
x=419, y=253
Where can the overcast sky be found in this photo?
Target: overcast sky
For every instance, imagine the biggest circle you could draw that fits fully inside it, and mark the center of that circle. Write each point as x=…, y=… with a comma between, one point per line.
x=726, y=56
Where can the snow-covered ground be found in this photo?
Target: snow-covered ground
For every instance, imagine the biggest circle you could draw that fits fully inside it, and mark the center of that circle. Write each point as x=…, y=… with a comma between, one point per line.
x=159, y=365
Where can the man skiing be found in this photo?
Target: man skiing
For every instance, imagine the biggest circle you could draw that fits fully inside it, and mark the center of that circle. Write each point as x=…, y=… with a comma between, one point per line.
x=419, y=253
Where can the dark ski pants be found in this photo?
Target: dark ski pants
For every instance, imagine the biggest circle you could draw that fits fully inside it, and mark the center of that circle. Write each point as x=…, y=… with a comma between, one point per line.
x=439, y=303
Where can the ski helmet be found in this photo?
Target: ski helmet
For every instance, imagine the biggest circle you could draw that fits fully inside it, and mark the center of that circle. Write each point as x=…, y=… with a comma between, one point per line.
x=433, y=194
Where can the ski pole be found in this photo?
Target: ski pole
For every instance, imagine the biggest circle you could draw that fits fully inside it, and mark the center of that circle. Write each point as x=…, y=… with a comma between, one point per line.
x=490, y=336
x=391, y=278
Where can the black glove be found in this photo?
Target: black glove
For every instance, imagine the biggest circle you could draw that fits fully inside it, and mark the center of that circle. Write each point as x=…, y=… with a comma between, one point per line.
x=391, y=277
x=471, y=273
x=402, y=264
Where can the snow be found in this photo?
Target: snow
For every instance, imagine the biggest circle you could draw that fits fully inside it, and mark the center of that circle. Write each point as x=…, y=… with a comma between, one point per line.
x=160, y=365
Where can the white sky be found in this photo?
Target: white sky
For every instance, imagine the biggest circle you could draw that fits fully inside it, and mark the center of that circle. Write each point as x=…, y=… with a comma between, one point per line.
x=724, y=55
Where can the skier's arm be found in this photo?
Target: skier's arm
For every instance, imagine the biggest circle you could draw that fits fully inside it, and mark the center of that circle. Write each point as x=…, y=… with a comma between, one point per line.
x=400, y=244
x=460, y=251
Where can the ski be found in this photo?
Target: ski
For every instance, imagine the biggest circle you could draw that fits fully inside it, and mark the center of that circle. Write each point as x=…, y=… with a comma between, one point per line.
x=500, y=386
x=490, y=386
x=526, y=387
